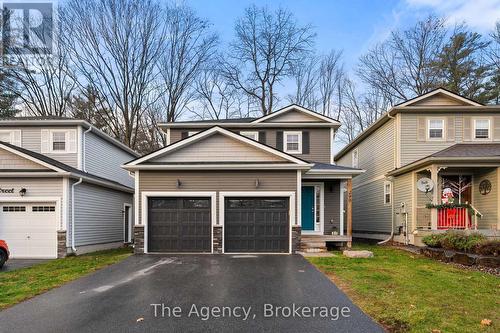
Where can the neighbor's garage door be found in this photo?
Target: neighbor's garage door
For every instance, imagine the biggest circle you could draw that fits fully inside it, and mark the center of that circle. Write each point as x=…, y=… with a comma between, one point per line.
x=30, y=229
x=256, y=225
x=179, y=225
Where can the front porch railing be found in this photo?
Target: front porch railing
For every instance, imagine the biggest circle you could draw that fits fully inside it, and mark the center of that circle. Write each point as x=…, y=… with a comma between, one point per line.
x=458, y=217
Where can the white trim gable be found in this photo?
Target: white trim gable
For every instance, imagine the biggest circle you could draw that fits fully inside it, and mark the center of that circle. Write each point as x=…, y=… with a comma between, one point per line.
x=201, y=135
x=30, y=158
x=295, y=107
x=436, y=92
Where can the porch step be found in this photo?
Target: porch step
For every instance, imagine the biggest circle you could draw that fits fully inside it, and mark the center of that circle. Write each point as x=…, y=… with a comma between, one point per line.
x=312, y=246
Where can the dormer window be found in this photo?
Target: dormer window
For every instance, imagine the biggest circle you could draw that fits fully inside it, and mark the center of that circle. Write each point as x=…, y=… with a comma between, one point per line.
x=293, y=142
x=481, y=129
x=436, y=129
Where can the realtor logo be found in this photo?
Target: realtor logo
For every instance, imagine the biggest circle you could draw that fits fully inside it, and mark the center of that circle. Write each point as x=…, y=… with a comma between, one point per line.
x=27, y=27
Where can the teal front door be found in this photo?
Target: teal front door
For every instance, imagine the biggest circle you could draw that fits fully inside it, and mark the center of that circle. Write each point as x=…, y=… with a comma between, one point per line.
x=308, y=208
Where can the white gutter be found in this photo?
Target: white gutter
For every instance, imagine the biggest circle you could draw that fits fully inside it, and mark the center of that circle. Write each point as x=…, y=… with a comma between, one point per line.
x=84, y=152
x=73, y=214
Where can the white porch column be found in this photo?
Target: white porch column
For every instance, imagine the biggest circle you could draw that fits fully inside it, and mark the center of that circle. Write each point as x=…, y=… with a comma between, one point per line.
x=435, y=196
x=341, y=224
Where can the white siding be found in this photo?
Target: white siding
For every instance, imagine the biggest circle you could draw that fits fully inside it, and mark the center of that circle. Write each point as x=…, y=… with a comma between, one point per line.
x=105, y=159
x=99, y=214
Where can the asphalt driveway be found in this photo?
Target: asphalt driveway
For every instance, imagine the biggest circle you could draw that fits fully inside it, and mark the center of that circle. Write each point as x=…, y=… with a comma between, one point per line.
x=13, y=264
x=194, y=293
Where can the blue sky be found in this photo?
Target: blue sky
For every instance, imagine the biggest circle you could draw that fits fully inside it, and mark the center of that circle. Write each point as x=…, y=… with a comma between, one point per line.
x=354, y=25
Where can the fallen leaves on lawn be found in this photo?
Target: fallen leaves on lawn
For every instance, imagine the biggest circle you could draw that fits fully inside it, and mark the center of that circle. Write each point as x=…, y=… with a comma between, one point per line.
x=486, y=322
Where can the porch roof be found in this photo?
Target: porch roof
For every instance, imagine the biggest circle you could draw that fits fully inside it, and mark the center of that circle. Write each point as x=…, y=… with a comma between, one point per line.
x=472, y=154
x=325, y=170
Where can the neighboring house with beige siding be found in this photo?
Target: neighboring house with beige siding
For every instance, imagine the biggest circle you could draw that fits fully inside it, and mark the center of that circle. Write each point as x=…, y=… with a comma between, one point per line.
x=62, y=188
x=243, y=185
x=450, y=140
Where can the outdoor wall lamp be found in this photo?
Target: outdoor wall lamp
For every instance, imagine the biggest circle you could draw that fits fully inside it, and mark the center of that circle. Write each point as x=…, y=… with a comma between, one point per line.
x=22, y=192
x=257, y=183
x=179, y=183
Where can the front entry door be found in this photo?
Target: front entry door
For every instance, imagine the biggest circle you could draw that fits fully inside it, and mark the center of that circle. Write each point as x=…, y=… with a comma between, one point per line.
x=308, y=208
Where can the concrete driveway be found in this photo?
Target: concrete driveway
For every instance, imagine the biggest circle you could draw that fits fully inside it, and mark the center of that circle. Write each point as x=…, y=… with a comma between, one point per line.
x=194, y=293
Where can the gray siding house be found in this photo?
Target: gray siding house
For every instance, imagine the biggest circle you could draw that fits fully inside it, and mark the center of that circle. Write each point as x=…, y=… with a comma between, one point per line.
x=62, y=189
x=441, y=140
x=245, y=185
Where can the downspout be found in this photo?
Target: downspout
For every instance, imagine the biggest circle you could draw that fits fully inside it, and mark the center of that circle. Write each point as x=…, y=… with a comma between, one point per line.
x=73, y=191
x=392, y=183
x=73, y=214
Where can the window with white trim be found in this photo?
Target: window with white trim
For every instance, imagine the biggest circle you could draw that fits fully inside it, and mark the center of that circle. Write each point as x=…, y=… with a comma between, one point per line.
x=355, y=158
x=5, y=136
x=435, y=129
x=481, y=129
x=192, y=133
x=58, y=141
x=11, y=136
x=292, y=142
x=250, y=134
x=387, y=193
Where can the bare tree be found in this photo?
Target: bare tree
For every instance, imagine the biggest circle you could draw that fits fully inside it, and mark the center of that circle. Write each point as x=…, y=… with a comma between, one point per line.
x=331, y=74
x=217, y=99
x=266, y=46
x=44, y=81
x=187, y=50
x=493, y=55
x=306, y=77
x=401, y=67
x=115, y=45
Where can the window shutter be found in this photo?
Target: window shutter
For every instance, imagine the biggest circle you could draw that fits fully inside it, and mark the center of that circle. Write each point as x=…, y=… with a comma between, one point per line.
x=496, y=128
x=467, y=129
x=279, y=140
x=421, y=129
x=45, y=144
x=184, y=134
x=71, y=141
x=450, y=128
x=15, y=138
x=262, y=137
x=305, y=142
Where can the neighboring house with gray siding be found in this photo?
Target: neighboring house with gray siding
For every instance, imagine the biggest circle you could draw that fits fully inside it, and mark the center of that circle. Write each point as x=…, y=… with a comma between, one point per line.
x=244, y=185
x=62, y=188
x=451, y=142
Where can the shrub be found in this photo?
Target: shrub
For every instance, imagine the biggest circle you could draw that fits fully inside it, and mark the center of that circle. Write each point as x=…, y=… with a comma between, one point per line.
x=460, y=241
x=433, y=240
x=489, y=248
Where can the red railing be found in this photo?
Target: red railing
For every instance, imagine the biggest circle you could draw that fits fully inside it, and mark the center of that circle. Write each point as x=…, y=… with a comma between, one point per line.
x=454, y=218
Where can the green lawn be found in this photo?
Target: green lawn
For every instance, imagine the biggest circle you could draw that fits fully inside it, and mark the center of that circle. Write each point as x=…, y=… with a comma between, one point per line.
x=411, y=293
x=21, y=284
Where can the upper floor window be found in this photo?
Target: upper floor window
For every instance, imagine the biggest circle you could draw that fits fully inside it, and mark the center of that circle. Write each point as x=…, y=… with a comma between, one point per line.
x=190, y=133
x=251, y=135
x=59, y=141
x=387, y=193
x=355, y=158
x=11, y=136
x=481, y=128
x=293, y=142
x=436, y=129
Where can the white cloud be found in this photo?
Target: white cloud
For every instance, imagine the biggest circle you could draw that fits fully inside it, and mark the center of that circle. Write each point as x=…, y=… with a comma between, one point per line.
x=478, y=14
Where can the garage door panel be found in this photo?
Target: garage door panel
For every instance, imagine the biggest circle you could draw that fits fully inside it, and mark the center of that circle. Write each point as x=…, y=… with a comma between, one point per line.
x=179, y=225
x=31, y=232
x=256, y=225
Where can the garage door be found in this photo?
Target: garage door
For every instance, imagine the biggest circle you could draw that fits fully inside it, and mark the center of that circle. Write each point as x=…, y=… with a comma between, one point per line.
x=256, y=225
x=179, y=225
x=30, y=229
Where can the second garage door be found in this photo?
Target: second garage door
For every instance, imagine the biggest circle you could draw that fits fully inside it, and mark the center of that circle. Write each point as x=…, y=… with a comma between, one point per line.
x=179, y=225
x=256, y=225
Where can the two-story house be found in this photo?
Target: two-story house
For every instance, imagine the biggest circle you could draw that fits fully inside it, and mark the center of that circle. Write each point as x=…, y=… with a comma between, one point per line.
x=62, y=188
x=432, y=164
x=243, y=185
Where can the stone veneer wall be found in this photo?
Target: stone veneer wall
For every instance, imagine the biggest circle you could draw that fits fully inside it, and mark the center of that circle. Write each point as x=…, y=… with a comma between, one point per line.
x=139, y=239
x=62, y=250
x=217, y=241
x=296, y=232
